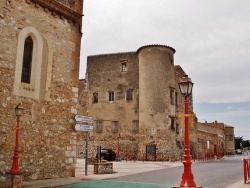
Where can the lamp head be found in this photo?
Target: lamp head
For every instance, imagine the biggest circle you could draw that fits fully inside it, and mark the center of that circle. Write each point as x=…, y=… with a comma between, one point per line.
x=18, y=110
x=186, y=86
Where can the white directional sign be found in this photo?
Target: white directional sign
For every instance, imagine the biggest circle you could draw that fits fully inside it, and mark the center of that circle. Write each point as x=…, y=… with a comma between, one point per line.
x=86, y=119
x=80, y=127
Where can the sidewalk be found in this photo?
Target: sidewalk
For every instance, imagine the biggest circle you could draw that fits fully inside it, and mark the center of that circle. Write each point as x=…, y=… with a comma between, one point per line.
x=239, y=184
x=122, y=168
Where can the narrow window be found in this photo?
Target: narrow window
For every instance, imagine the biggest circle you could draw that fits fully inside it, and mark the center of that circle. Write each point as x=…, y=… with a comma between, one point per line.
x=111, y=95
x=176, y=100
x=177, y=128
x=114, y=126
x=172, y=124
x=123, y=65
x=129, y=94
x=27, y=60
x=231, y=137
x=135, y=126
x=33, y=65
x=99, y=127
x=95, y=97
x=172, y=96
x=171, y=57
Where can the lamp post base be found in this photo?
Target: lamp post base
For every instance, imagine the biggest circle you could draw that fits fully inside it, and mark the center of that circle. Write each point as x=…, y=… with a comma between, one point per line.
x=187, y=187
x=14, y=180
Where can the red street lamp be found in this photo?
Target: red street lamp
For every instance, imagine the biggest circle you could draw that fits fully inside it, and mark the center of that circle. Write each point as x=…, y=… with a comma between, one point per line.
x=186, y=86
x=15, y=167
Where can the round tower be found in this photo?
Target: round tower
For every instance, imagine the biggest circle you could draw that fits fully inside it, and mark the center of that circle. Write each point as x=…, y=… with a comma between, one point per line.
x=156, y=87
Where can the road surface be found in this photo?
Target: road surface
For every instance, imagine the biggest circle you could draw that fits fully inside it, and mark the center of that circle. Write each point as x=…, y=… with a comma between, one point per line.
x=215, y=173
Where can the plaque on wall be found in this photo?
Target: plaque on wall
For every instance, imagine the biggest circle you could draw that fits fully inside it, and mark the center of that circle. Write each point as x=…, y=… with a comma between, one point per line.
x=151, y=149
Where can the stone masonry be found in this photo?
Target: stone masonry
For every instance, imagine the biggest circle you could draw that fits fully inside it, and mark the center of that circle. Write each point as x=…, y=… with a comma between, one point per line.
x=47, y=147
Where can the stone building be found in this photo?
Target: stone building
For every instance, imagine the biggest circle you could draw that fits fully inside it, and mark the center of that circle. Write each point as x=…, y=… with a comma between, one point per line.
x=39, y=67
x=82, y=96
x=135, y=100
x=229, y=140
x=134, y=97
x=215, y=137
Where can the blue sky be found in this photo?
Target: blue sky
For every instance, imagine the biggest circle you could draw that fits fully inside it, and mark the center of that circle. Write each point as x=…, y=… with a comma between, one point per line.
x=234, y=114
x=211, y=40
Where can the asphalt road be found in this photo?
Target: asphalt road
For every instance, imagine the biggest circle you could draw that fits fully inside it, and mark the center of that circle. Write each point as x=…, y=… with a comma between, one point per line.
x=215, y=173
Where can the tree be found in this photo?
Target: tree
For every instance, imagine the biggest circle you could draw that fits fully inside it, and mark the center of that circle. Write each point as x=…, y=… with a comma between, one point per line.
x=238, y=141
x=241, y=143
x=246, y=144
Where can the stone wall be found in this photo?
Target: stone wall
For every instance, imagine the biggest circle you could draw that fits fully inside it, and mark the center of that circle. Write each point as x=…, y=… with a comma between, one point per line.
x=128, y=147
x=47, y=147
x=212, y=133
x=156, y=80
x=83, y=96
x=229, y=140
x=103, y=75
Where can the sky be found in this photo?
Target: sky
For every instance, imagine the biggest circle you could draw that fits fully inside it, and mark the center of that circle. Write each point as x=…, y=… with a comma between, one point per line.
x=211, y=39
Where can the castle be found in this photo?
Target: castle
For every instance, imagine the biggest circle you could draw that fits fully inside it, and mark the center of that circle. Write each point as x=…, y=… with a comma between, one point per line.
x=39, y=66
x=135, y=100
x=135, y=95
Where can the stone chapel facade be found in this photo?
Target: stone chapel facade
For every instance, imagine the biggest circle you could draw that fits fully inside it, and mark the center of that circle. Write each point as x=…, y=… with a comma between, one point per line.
x=39, y=68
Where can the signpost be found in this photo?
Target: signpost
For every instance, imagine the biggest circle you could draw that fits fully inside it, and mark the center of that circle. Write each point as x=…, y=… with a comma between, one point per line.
x=85, y=128
x=84, y=119
x=82, y=127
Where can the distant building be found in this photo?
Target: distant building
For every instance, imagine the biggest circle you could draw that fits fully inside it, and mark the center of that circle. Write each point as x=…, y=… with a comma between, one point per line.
x=215, y=137
x=229, y=140
x=39, y=67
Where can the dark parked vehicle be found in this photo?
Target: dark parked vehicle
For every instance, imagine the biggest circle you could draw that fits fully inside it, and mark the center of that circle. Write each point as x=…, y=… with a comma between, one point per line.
x=238, y=152
x=107, y=154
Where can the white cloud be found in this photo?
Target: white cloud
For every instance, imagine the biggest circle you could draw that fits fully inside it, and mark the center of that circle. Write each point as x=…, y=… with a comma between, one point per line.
x=242, y=131
x=211, y=39
x=233, y=114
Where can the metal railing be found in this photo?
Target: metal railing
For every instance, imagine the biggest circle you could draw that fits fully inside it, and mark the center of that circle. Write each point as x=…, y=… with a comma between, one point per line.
x=134, y=156
x=206, y=156
x=246, y=167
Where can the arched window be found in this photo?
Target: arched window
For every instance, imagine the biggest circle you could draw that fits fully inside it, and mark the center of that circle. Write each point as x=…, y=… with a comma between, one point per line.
x=32, y=58
x=27, y=60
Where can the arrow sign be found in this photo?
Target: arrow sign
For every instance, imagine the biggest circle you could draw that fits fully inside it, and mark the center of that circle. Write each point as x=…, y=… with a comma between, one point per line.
x=86, y=119
x=80, y=127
